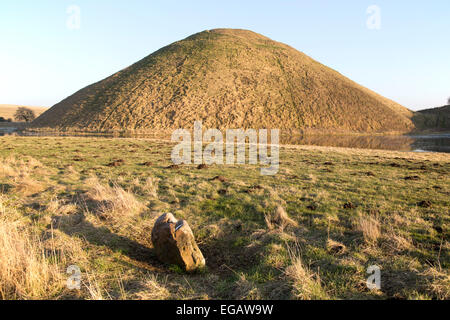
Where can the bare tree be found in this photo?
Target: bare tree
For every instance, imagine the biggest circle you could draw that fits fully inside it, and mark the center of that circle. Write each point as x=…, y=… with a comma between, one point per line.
x=24, y=114
x=448, y=101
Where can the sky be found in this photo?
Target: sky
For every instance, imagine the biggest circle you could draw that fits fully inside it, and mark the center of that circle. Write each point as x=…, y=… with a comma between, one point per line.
x=49, y=49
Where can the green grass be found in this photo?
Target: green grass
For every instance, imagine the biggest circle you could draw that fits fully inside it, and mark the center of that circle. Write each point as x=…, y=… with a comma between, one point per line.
x=245, y=259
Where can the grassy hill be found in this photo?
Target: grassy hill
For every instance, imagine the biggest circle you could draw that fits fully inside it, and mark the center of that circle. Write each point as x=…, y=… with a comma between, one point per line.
x=228, y=78
x=7, y=111
x=437, y=119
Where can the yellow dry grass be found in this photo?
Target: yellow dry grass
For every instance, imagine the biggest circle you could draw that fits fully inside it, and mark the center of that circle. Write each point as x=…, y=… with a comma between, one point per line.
x=439, y=282
x=154, y=289
x=370, y=228
x=27, y=270
x=112, y=202
x=20, y=171
x=306, y=283
x=279, y=219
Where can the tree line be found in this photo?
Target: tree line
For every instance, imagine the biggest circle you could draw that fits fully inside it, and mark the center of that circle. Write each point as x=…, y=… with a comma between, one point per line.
x=22, y=114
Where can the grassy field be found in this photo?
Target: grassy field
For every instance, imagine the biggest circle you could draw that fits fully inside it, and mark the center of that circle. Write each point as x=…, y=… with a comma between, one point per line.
x=309, y=232
x=7, y=111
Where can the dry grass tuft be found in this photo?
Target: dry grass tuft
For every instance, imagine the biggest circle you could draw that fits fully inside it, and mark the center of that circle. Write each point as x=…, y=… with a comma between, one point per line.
x=154, y=289
x=151, y=187
x=335, y=247
x=112, y=203
x=56, y=206
x=306, y=283
x=246, y=290
x=396, y=240
x=94, y=288
x=370, y=228
x=279, y=219
x=27, y=270
x=19, y=172
x=439, y=283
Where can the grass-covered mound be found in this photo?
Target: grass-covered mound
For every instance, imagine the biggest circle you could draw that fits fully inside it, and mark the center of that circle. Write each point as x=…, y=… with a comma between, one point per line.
x=229, y=79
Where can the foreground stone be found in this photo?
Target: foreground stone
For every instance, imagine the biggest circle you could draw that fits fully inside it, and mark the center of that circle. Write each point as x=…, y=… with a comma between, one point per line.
x=174, y=243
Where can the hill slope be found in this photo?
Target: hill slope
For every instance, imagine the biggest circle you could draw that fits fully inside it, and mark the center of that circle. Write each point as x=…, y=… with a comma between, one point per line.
x=227, y=78
x=437, y=119
x=7, y=111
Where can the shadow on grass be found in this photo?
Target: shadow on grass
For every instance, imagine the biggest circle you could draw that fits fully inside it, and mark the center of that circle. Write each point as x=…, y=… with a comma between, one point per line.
x=77, y=225
x=5, y=188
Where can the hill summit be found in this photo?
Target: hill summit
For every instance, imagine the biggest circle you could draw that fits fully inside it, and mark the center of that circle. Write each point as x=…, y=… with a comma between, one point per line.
x=228, y=79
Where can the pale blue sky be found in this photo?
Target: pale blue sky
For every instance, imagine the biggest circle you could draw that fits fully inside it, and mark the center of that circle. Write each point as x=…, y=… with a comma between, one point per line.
x=42, y=61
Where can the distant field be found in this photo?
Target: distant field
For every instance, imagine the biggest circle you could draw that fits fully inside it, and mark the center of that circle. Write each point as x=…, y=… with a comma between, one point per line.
x=84, y=203
x=7, y=110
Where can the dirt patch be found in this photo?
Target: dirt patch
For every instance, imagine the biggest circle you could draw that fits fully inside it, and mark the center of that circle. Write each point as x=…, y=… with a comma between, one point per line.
x=36, y=206
x=219, y=178
x=349, y=206
x=424, y=204
x=412, y=178
x=253, y=189
x=395, y=165
x=116, y=163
